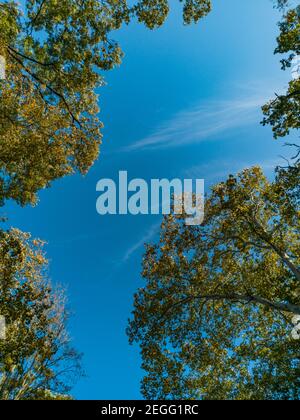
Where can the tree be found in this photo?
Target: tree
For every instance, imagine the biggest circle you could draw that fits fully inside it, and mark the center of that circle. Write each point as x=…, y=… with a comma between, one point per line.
x=36, y=358
x=214, y=319
x=283, y=112
x=56, y=53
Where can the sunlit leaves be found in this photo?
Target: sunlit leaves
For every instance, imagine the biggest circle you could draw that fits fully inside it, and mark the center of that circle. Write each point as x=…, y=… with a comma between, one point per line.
x=213, y=319
x=283, y=113
x=195, y=10
x=36, y=355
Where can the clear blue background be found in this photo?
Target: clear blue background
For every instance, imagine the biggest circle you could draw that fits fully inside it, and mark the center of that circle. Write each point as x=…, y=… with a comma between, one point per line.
x=171, y=81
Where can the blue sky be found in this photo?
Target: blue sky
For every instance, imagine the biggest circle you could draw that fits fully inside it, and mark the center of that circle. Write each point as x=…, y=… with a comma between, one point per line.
x=185, y=103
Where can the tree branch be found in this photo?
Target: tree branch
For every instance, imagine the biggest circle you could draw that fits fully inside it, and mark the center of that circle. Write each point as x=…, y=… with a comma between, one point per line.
x=58, y=94
x=238, y=298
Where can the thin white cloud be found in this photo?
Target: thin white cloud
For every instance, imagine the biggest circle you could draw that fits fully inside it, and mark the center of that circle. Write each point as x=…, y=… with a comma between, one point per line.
x=140, y=243
x=206, y=121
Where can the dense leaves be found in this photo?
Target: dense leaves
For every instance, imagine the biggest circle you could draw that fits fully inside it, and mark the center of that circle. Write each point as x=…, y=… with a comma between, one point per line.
x=283, y=113
x=214, y=318
x=36, y=359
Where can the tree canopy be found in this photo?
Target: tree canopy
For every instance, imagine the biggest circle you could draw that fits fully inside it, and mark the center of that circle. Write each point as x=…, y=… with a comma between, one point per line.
x=56, y=53
x=36, y=358
x=214, y=320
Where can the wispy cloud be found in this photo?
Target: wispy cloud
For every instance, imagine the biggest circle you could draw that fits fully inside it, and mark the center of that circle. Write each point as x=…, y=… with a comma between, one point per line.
x=145, y=238
x=206, y=121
